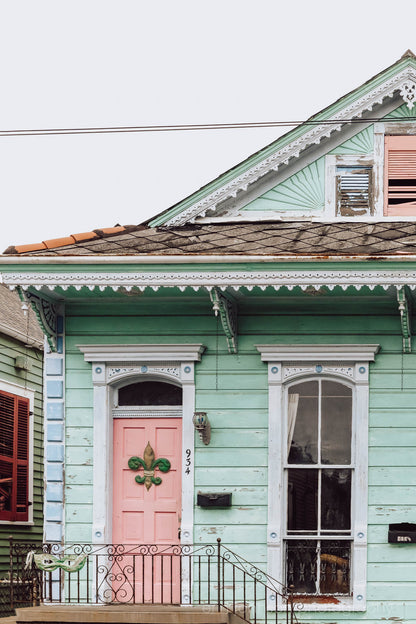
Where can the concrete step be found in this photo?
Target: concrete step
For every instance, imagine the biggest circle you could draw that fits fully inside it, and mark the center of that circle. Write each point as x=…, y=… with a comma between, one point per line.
x=122, y=614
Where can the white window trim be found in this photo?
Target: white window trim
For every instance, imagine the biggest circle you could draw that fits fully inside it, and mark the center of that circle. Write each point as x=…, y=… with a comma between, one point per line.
x=376, y=161
x=287, y=363
x=170, y=362
x=26, y=393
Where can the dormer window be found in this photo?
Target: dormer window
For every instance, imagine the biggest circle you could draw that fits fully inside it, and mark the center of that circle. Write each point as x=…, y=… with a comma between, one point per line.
x=400, y=176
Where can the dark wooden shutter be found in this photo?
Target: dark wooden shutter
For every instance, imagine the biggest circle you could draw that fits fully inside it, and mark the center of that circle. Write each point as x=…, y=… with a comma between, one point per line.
x=354, y=191
x=14, y=457
x=400, y=176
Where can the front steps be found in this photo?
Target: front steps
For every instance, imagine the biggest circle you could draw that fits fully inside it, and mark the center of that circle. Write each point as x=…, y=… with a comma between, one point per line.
x=124, y=614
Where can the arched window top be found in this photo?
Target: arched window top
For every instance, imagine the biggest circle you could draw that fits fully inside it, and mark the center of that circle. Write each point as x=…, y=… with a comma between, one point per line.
x=319, y=422
x=150, y=393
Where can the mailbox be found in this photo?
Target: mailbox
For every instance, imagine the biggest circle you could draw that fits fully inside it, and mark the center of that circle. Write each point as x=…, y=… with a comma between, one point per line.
x=214, y=499
x=402, y=533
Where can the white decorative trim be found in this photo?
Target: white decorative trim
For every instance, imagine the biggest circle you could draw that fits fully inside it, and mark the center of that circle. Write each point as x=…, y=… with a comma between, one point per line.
x=170, y=372
x=26, y=393
x=140, y=412
x=403, y=81
x=316, y=353
x=222, y=279
x=142, y=353
x=289, y=372
x=104, y=359
x=408, y=93
x=284, y=365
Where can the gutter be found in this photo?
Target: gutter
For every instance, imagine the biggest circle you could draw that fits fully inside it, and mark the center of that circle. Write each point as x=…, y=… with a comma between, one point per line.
x=21, y=337
x=194, y=259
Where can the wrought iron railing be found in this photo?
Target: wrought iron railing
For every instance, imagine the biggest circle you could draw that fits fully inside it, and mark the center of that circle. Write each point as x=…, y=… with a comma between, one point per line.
x=201, y=575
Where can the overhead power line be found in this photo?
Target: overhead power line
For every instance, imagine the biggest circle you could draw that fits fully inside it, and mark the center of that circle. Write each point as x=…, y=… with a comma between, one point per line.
x=188, y=127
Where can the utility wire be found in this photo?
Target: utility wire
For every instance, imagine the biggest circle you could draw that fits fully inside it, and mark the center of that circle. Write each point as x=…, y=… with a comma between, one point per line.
x=188, y=127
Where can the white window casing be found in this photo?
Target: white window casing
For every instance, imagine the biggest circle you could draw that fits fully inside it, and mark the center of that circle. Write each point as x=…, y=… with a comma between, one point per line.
x=348, y=364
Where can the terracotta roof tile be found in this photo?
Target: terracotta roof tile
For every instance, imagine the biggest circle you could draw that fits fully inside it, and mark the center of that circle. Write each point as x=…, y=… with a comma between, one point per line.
x=81, y=236
x=27, y=248
x=59, y=242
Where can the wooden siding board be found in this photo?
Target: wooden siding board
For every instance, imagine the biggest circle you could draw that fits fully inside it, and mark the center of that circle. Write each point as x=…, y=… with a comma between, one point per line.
x=233, y=390
x=33, y=379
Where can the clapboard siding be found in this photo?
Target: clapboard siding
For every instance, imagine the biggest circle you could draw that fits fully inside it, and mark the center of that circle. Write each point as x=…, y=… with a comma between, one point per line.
x=233, y=390
x=9, y=349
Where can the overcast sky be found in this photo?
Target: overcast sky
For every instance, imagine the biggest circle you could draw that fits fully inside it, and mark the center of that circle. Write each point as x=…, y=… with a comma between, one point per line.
x=80, y=63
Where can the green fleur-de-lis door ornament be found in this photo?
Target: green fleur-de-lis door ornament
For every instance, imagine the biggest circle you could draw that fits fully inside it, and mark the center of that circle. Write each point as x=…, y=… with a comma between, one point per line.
x=149, y=464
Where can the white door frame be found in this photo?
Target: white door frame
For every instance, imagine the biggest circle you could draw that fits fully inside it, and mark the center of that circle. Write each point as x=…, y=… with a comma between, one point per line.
x=110, y=365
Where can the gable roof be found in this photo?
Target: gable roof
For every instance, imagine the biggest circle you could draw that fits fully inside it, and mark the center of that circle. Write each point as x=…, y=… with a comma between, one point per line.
x=184, y=229
x=399, y=79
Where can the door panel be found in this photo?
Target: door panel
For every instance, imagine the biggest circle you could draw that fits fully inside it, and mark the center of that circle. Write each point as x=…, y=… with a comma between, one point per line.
x=147, y=516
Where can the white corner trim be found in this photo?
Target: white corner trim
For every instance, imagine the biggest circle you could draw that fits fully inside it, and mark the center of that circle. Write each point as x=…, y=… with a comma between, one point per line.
x=142, y=352
x=312, y=353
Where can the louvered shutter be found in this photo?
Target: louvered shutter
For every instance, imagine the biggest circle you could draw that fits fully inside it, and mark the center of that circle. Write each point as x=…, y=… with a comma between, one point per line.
x=14, y=457
x=400, y=176
x=354, y=191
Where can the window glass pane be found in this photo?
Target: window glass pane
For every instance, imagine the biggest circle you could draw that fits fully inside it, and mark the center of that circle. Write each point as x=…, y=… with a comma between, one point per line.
x=150, y=393
x=303, y=423
x=336, y=417
x=336, y=500
x=302, y=500
x=335, y=567
x=302, y=566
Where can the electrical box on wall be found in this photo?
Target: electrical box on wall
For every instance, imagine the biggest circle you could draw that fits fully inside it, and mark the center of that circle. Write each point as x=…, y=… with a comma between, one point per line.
x=214, y=499
x=402, y=533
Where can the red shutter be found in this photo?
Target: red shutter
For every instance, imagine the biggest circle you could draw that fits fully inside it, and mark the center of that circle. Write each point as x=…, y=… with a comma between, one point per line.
x=400, y=176
x=14, y=457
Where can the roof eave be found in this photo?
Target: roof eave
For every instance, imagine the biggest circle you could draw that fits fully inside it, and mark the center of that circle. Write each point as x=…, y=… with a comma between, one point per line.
x=196, y=259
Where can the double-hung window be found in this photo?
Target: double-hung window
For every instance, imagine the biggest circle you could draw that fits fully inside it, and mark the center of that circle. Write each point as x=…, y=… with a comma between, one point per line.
x=317, y=483
x=318, y=476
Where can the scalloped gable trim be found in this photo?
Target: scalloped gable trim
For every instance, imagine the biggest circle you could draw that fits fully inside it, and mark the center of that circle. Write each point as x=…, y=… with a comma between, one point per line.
x=399, y=77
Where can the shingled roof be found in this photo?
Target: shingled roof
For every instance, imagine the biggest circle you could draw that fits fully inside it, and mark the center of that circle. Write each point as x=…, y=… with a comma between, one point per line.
x=13, y=321
x=234, y=239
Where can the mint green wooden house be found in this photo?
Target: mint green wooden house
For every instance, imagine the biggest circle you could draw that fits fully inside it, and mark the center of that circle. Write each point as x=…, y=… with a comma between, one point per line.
x=242, y=367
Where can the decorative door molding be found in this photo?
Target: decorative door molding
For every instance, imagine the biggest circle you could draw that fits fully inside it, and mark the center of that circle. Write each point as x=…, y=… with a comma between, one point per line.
x=113, y=364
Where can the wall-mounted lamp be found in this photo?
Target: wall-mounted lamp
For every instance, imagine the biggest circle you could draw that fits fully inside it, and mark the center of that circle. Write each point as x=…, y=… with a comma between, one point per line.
x=203, y=426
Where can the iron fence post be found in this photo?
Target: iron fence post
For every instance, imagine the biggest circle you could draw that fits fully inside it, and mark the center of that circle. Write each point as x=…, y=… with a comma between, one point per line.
x=219, y=573
x=11, y=571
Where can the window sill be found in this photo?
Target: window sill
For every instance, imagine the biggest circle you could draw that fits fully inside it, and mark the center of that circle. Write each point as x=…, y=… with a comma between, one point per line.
x=17, y=522
x=324, y=604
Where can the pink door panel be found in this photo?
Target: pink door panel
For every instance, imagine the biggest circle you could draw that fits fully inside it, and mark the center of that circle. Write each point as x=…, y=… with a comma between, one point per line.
x=147, y=516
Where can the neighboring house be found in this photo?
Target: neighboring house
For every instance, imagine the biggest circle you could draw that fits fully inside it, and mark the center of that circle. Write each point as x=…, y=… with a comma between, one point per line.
x=21, y=430
x=278, y=301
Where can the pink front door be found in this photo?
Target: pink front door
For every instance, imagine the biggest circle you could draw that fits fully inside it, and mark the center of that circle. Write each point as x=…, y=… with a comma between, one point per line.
x=148, y=513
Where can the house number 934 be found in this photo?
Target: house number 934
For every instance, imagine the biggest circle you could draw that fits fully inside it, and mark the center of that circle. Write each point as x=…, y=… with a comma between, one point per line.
x=188, y=461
